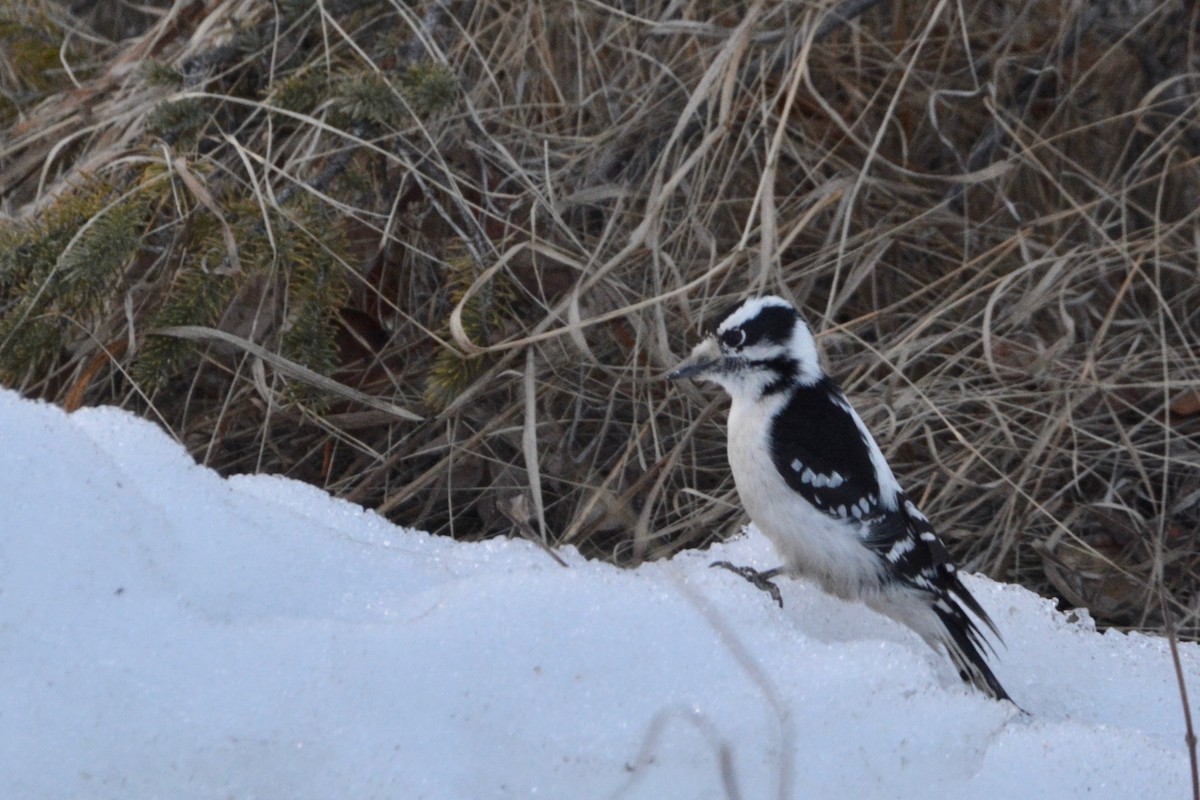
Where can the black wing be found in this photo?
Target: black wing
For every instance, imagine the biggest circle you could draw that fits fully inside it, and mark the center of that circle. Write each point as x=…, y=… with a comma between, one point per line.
x=904, y=537
x=907, y=541
x=822, y=454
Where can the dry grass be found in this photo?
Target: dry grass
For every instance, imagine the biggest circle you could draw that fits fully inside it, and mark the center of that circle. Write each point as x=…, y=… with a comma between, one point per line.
x=989, y=209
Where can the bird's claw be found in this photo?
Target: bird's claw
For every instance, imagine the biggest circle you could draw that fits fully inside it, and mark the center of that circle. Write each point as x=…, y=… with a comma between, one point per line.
x=762, y=580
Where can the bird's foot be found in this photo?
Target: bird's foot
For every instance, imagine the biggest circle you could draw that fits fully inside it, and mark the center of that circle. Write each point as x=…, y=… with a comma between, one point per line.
x=760, y=579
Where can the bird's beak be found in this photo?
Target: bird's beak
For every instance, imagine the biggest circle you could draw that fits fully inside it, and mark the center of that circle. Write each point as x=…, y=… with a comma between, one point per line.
x=704, y=357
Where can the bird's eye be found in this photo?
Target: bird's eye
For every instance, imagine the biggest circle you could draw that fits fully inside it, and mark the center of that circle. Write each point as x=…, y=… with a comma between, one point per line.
x=733, y=338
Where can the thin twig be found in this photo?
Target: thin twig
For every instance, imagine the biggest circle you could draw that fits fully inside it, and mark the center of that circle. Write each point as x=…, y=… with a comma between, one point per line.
x=1190, y=735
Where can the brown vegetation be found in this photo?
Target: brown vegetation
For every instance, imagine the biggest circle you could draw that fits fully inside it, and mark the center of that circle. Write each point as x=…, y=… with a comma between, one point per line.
x=436, y=256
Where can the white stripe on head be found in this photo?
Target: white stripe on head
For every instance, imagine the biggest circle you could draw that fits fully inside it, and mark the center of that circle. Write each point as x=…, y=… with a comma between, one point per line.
x=750, y=309
x=803, y=348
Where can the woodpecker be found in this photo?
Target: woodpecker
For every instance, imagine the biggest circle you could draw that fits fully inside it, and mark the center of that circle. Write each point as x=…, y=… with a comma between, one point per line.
x=814, y=481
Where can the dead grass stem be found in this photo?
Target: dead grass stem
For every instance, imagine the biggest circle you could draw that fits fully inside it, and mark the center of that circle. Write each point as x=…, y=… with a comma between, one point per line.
x=436, y=258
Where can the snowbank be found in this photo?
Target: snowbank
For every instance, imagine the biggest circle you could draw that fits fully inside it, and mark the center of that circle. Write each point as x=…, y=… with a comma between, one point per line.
x=165, y=633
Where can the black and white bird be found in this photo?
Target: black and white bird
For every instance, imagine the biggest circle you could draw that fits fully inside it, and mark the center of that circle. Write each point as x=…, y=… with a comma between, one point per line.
x=814, y=481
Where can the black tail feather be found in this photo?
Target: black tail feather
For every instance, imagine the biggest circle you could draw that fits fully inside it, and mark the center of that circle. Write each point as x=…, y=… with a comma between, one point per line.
x=964, y=643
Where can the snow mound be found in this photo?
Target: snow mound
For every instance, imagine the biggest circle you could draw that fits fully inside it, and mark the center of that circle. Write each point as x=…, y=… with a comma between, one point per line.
x=165, y=633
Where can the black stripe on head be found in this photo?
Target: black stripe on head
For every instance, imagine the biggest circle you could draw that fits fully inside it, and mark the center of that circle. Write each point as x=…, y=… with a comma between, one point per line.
x=785, y=371
x=771, y=325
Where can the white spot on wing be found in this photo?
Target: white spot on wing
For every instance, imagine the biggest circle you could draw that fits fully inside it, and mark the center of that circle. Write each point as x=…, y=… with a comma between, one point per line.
x=913, y=511
x=899, y=549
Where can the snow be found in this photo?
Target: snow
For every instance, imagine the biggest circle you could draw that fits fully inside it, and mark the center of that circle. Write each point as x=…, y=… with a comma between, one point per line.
x=166, y=633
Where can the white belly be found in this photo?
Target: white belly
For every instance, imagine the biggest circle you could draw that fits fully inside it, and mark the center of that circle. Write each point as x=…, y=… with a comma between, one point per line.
x=811, y=543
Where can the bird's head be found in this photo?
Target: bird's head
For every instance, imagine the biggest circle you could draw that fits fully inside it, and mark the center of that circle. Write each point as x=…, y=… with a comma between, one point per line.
x=759, y=347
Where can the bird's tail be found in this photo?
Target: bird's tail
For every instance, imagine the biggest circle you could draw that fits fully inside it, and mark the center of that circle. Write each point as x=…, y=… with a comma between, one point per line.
x=937, y=610
x=961, y=637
